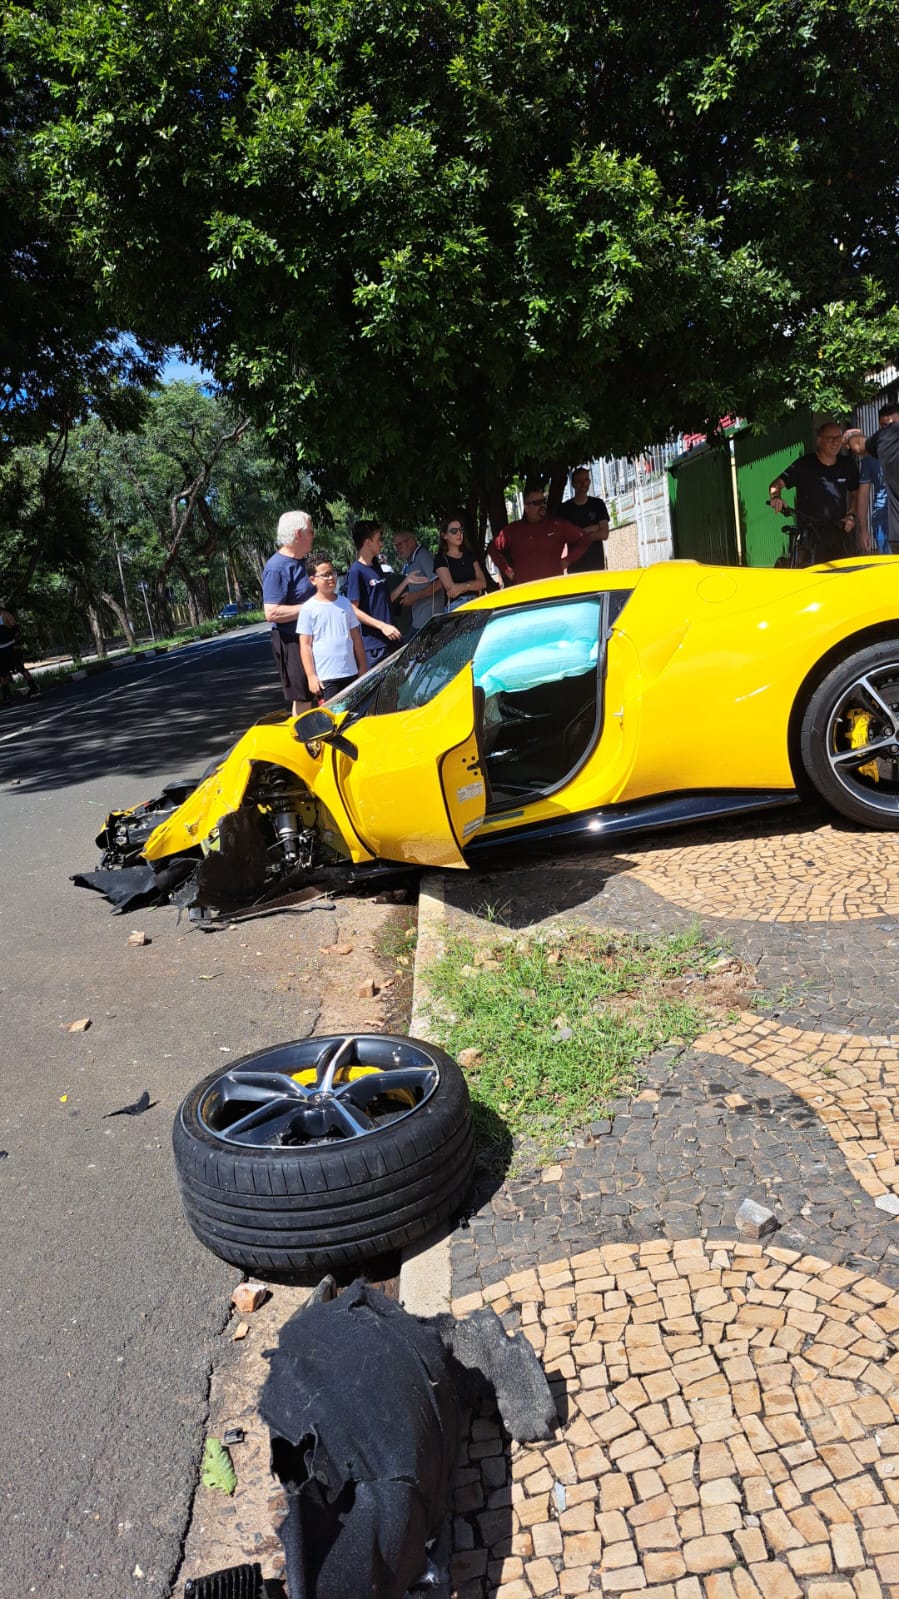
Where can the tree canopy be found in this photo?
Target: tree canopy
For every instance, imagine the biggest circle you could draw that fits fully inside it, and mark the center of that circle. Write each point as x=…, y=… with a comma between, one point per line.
x=426, y=244
x=182, y=507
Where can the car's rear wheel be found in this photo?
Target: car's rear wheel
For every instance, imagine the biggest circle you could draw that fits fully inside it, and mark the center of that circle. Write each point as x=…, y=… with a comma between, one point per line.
x=849, y=739
x=324, y=1152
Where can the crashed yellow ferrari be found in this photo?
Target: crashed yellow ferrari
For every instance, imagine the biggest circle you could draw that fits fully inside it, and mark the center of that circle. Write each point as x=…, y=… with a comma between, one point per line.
x=570, y=710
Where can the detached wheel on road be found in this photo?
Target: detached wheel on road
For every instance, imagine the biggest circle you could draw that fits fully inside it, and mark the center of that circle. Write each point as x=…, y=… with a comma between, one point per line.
x=849, y=740
x=324, y=1152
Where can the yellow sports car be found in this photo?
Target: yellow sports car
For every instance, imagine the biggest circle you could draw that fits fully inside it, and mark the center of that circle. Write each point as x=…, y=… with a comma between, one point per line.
x=574, y=709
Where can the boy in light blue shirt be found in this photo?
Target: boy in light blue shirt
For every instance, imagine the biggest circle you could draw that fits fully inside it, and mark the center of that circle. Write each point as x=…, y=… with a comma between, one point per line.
x=329, y=633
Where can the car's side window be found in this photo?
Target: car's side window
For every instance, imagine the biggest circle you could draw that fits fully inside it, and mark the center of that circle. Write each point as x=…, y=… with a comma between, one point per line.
x=538, y=668
x=525, y=648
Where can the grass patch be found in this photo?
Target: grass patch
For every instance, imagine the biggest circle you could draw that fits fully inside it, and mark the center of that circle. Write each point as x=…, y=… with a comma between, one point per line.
x=395, y=940
x=556, y=1027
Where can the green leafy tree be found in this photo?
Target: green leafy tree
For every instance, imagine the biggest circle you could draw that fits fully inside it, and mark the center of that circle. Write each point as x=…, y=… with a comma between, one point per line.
x=61, y=351
x=188, y=496
x=429, y=245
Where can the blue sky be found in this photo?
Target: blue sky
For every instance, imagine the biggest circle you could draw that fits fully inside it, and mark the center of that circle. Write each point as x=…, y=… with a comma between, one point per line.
x=178, y=371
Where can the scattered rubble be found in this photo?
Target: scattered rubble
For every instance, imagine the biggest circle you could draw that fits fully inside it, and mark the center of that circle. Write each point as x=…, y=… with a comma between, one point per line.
x=755, y=1221
x=248, y=1296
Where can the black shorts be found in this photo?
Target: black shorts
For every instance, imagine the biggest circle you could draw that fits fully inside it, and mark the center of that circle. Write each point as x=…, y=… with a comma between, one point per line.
x=335, y=685
x=290, y=668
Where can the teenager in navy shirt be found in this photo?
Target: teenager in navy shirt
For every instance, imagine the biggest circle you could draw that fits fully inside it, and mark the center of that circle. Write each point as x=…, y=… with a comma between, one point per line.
x=367, y=592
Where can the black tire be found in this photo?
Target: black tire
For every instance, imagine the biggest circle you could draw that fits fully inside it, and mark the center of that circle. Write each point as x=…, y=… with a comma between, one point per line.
x=849, y=738
x=324, y=1199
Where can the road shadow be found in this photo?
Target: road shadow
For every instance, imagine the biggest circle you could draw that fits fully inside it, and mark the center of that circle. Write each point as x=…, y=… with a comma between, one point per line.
x=173, y=713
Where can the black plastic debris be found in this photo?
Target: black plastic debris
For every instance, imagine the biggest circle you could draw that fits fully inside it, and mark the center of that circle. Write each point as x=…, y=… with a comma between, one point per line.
x=363, y=1403
x=486, y=1359
x=137, y=1109
x=131, y=888
x=126, y=887
x=234, y=1582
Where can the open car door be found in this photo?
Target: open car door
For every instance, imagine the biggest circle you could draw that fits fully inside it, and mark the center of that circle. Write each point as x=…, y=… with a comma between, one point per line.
x=418, y=791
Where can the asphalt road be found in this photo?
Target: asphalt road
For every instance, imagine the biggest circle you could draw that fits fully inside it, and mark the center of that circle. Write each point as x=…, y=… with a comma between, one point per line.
x=109, y=1308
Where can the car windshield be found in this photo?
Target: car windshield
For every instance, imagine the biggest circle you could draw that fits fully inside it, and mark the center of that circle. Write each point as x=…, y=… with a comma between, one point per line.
x=509, y=649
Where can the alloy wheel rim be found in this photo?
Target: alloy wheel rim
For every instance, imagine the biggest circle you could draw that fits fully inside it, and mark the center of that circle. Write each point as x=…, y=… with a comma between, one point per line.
x=319, y=1091
x=862, y=737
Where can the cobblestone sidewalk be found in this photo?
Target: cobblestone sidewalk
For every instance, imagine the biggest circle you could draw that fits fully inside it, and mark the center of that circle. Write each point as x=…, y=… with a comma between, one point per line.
x=729, y=1412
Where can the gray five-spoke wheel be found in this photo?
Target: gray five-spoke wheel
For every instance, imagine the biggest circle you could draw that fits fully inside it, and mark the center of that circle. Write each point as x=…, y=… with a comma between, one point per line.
x=317, y=1089
x=324, y=1152
x=850, y=736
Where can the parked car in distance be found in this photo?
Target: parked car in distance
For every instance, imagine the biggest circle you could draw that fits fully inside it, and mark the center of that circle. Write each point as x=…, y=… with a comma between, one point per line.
x=236, y=608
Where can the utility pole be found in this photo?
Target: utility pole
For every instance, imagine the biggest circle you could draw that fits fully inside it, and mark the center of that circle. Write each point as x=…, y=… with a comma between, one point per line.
x=118, y=556
x=143, y=588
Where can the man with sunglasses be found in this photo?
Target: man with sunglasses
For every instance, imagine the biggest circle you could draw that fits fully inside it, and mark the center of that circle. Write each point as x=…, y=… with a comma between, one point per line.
x=537, y=546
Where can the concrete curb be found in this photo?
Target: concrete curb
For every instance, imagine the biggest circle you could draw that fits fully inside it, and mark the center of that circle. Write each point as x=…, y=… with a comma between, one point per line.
x=425, y=1283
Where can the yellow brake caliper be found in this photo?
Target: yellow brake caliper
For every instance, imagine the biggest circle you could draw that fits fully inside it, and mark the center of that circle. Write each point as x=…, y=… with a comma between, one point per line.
x=859, y=736
x=403, y=1095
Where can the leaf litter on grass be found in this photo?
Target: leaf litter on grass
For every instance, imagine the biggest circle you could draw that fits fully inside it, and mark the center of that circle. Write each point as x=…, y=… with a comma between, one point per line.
x=550, y=1029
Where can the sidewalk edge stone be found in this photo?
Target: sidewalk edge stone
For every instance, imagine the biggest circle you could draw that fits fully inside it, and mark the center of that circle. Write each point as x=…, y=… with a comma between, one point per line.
x=425, y=1282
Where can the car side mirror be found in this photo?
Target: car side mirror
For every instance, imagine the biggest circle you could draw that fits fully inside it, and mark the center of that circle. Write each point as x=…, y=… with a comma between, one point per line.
x=320, y=727
x=313, y=725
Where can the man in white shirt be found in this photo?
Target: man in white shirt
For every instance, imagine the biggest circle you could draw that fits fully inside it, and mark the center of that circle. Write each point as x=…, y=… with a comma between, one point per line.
x=330, y=635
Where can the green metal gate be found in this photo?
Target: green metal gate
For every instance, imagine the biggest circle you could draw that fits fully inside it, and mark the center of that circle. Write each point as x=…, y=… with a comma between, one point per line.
x=760, y=458
x=703, y=523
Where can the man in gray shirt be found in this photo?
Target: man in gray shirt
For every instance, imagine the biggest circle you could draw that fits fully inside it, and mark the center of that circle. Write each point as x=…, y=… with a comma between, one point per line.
x=421, y=591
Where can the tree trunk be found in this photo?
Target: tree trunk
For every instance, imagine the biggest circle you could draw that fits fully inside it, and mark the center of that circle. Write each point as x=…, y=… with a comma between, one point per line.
x=492, y=506
x=202, y=598
x=163, y=617
x=558, y=482
x=122, y=616
x=94, y=620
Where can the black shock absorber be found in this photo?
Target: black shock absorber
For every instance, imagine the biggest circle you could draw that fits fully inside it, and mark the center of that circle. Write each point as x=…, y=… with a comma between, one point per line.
x=287, y=832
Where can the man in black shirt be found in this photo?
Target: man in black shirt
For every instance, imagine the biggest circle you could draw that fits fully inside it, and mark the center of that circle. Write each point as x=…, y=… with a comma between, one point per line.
x=589, y=513
x=884, y=444
x=826, y=485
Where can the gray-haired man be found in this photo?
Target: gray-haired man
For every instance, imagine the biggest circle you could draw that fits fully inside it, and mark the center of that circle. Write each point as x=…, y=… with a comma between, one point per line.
x=285, y=588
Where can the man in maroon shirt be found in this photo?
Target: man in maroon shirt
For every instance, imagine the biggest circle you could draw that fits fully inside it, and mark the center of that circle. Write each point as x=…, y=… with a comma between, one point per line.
x=538, y=546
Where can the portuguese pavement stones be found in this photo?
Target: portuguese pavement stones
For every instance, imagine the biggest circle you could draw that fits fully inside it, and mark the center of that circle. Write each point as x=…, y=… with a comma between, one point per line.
x=729, y=1429
x=728, y=1395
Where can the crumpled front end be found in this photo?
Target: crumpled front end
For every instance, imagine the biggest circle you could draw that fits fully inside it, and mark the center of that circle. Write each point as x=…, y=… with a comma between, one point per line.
x=249, y=831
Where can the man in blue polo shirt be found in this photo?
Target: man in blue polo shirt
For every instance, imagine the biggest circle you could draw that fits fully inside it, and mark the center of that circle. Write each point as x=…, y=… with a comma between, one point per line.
x=285, y=588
